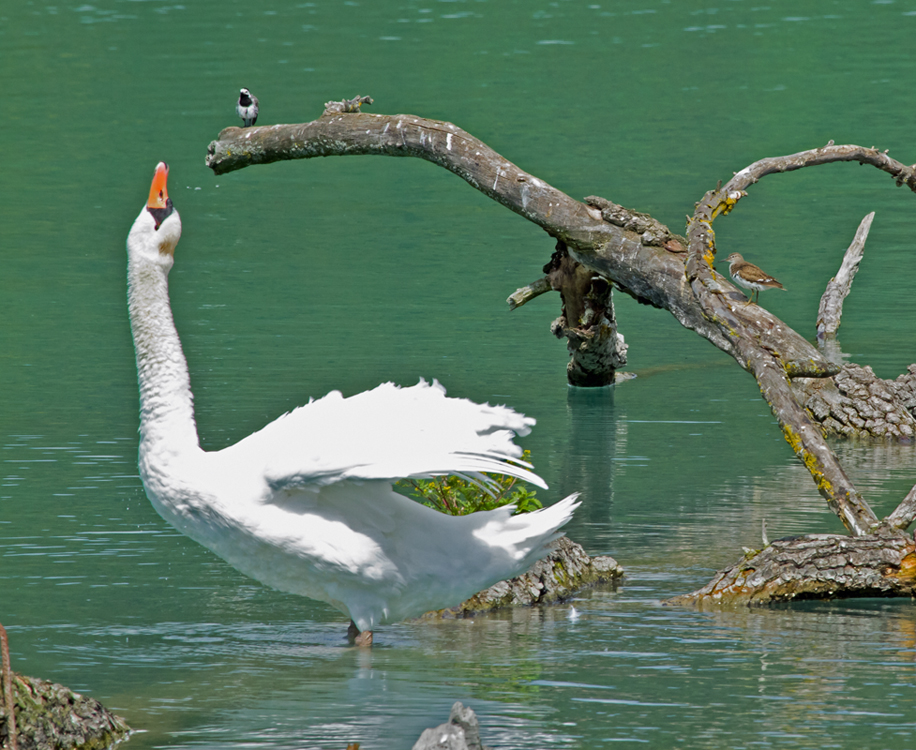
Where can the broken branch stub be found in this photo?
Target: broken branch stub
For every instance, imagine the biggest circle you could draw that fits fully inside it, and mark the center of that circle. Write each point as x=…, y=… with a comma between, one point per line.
x=527, y=293
x=830, y=309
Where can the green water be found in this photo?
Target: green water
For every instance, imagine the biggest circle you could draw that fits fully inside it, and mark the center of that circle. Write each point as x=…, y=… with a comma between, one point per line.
x=297, y=278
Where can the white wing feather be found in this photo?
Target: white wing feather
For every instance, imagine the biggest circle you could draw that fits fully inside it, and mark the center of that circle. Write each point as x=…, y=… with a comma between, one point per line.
x=326, y=501
x=389, y=433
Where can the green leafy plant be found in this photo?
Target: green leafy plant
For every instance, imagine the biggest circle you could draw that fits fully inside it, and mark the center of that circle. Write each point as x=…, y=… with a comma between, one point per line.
x=458, y=497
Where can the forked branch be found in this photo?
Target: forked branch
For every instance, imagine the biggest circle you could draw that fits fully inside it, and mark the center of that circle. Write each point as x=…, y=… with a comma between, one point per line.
x=637, y=253
x=760, y=357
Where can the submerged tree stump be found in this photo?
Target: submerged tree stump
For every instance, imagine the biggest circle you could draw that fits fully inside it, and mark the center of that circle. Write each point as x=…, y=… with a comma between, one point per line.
x=587, y=322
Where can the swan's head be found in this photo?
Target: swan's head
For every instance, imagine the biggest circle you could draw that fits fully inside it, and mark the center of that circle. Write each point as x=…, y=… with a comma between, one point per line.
x=157, y=229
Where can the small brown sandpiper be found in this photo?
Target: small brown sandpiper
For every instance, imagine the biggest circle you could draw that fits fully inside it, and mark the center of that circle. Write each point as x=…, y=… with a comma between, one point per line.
x=750, y=276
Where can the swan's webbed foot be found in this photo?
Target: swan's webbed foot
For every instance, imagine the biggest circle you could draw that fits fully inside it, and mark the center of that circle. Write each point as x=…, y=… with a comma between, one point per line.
x=359, y=638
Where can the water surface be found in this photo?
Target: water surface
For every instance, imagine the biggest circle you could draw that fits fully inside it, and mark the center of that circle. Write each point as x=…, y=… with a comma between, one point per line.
x=294, y=279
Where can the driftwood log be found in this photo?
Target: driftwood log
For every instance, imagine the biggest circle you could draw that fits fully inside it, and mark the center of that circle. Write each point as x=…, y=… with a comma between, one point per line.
x=644, y=259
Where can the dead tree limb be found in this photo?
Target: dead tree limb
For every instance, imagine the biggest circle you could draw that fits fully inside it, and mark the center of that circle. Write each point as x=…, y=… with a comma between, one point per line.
x=753, y=334
x=831, y=308
x=817, y=566
x=632, y=250
x=784, y=570
x=641, y=256
x=527, y=293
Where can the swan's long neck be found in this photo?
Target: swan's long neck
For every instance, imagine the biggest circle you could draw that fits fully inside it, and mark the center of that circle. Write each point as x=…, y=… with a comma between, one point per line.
x=166, y=402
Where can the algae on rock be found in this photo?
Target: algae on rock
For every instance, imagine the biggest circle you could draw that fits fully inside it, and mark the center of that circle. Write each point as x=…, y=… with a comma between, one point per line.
x=49, y=715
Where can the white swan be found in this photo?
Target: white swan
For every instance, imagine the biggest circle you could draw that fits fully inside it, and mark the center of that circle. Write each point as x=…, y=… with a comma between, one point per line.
x=306, y=504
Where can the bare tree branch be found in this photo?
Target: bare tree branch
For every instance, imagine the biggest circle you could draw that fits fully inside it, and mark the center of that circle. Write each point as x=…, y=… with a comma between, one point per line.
x=527, y=293
x=905, y=513
x=902, y=174
x=644, y=259
x=831, y=308
x=444, y=144
x=754, y=340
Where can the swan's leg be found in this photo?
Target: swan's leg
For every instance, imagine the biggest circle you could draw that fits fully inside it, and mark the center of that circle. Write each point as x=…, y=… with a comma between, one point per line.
x=358, y=638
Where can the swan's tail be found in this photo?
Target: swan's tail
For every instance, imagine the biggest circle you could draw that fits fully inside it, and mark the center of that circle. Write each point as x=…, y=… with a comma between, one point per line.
x=528, y=535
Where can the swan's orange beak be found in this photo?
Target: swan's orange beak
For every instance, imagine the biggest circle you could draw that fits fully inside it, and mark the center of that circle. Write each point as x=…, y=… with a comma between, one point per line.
x=158, y=194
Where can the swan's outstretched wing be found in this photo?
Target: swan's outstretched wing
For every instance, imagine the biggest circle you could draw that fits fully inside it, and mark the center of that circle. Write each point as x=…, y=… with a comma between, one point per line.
x=325, y=522
x=388, y=433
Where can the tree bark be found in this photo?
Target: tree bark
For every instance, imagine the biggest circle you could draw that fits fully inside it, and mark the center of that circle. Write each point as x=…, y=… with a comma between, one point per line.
x=857, y=403
x=587, y=322
x=817, y=566
x=641, y=257
x=565, y=570
x=831, y=308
